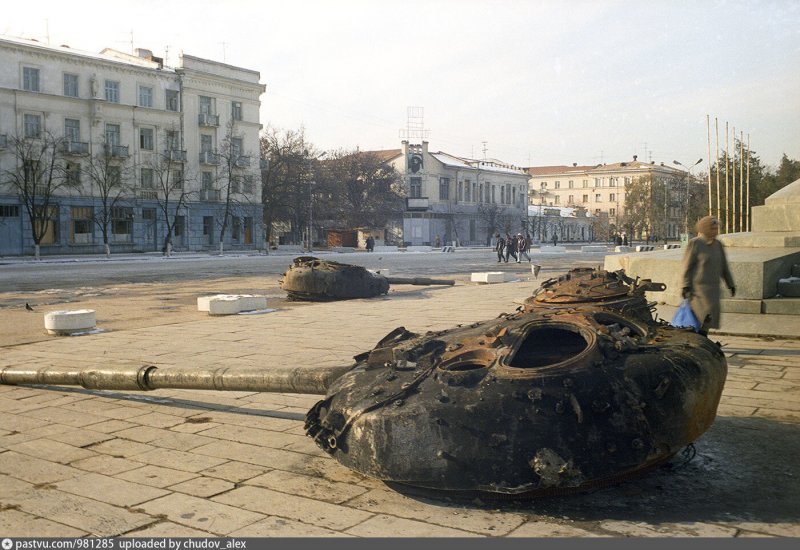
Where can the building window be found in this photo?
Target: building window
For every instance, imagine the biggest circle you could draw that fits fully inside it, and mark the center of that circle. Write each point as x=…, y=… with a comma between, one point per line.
x=146, y=139
x=33, y=126
x=627, y=181
x=122, y=223
x=73, y=173
x=444, y=189
x=112, y=135
x=235, y=184
x=597, y=197
x=556, y=199
x=47, y=220
x=236, y=110
x=205, y=143
x=114, y=176
x=612, y=182
x=248, y=184
x=145, y=96
x=173, y=140
x=612, y=211
x=81, y=224
x=236, y=227
x=206, y=105
x=112, y=91
x=585, y=184
x=571, y=199
x=146, y=178
x=70, y=85
x=597, y=182
x=585, y=199
x=612, y=197
x=180, y=223
x=236, y=148
x=206, y=180
x=72, y=129
x=9, y=211
x=557, y=185
x=208, y=228
x=415, y=188
x=172, y=100
x=30, y=79
x=177, y=178
x=571, y=184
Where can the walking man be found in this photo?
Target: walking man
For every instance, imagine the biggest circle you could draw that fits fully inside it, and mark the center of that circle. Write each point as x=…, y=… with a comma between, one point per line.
x=499, y=246
x=511, y=248
x=522, y=247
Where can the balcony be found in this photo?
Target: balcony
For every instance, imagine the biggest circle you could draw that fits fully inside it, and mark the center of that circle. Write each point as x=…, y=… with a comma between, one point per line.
x=417, y=203
x=209, y=157
x=207, y=119
x=117, y=151
x=3, y=141
x=242, y=162
x=209, y=194
x=175, y=155
x=150, y=194
x=76, y=148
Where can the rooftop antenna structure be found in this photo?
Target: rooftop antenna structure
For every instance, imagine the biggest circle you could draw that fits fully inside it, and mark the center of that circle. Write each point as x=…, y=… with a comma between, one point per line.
x=484, y=149
x=415, y=126
x=224, y=52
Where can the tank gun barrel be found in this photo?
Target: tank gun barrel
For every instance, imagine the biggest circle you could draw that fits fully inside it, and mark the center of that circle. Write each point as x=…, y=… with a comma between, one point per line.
x=420, y=281
x=149, y=377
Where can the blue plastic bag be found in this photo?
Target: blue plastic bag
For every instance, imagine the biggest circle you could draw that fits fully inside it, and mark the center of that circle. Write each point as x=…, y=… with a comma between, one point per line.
x=685, y=318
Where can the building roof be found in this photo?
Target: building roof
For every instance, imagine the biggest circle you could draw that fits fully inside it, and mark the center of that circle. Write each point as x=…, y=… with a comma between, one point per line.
x=384, y=155
x=633, y=165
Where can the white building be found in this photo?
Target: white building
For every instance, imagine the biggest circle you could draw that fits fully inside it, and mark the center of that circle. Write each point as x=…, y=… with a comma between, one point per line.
x=457, y=199
x=137, y=112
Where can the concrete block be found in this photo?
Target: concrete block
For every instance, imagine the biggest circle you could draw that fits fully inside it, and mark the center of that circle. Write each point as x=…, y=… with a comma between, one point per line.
x=623, y=248
x=594, y=248
x=252, y=302
x=645, y=248
x=203, y=302
x=781, y=306
x=224, y=305
x=418, y=249
x=733, y=305
x=552, y=249
x=671, y=246
x=385, y=248
x=69, y=321
x=492, y=277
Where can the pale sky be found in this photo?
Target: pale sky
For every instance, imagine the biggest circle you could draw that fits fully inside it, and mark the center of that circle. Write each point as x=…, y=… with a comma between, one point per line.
x=541, y=82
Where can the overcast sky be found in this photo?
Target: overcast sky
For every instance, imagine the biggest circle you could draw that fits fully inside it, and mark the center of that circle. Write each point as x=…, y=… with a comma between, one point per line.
x=540, y=82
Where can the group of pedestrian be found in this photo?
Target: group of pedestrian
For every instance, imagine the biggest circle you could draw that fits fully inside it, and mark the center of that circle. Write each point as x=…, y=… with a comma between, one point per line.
x=510, y=247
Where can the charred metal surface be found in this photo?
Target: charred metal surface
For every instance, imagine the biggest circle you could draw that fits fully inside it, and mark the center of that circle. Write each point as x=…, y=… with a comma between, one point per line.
x=312, y=279
x=524, y=404
x=596, y=287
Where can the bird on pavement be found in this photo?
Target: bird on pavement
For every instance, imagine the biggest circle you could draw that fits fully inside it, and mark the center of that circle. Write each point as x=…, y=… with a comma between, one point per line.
x=28, y=306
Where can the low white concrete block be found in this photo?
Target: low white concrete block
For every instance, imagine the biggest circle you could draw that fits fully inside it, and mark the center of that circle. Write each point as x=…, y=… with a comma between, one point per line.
x=385, y=248
x=671, y=246
x=645, y=248
x=69, y=321
x=594, y=248
x=419, y=248
x=552, y=249
x=492, y=277
x=203, y=302
x=252, y=302
x=623, y=248
x=224, y=305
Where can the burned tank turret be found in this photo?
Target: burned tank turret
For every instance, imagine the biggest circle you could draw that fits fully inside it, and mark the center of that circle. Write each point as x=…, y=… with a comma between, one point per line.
x=589, y=287
x=531, y=403
x=312, y=279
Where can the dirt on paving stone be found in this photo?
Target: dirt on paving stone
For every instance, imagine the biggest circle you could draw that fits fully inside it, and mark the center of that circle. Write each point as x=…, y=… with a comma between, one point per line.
x=125, y=306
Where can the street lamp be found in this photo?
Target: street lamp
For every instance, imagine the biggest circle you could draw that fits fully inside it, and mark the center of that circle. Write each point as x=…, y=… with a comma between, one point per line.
x=311, y=182
x=686, y=202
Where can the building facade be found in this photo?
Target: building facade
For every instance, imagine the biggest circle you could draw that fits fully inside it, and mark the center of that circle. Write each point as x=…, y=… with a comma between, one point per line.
x=178, y=146
x=450, y=199
x=601, y=190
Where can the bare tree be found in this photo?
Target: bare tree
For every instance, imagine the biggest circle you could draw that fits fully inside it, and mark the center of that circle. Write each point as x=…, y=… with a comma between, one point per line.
x=232, y=181
x=285, y=156
x=170, y=191
x=38, y=176
x=109, y=176
x=494, y=217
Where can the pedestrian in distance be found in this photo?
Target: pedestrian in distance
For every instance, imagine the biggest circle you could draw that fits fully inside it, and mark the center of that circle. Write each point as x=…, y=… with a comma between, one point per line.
x=704, y=264
x=555, y=239
x=500, y=245
x=511, y=248
x=522, y=247
x=370, y=243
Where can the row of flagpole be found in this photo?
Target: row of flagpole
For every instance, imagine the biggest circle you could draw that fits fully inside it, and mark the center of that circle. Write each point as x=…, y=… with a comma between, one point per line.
x=730, y=222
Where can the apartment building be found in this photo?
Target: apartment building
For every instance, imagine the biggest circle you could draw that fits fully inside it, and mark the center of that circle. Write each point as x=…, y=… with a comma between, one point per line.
x=600, y=189
x=139, y=123
x=450, y=197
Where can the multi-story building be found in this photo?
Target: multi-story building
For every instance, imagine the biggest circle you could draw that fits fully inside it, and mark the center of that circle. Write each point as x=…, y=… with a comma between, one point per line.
x=457, y=199
x=136, y=124
x=600, y=189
